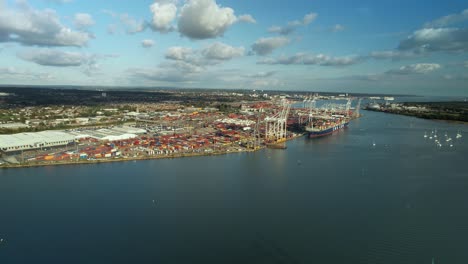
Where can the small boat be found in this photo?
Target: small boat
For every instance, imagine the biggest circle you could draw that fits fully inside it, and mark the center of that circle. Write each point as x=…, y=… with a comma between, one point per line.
x=459, y=135
x=425, y=135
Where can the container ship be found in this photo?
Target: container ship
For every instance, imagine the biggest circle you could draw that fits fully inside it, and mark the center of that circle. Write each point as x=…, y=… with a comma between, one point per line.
x=323, y=127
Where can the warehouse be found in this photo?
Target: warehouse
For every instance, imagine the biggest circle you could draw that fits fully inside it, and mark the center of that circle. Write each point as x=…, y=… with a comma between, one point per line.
x=27, y=141
x=108, y=134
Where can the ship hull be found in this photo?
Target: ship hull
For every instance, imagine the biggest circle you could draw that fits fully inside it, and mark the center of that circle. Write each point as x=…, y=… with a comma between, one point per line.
x=328, y=131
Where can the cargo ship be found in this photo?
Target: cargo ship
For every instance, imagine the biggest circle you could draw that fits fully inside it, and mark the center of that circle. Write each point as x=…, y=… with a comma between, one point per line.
x=320, y=128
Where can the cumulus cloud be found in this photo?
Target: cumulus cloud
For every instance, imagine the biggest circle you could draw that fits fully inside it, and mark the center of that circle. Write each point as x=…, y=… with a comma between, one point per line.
x=28, y=26
x=419, y=68
x=291, y=26
x=309, y=59
x=448, y=20
x=147, y=43
x=220, y=51
x=265, y=46
x=164, y=12
x=247, y=19
x=184, y=64
x=179, y=53
x=211, y=55
x=83, y=20
x=203, y=19
x=436, y=39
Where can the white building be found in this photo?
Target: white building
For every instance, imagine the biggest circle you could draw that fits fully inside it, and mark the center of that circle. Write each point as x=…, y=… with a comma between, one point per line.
x=27, y=141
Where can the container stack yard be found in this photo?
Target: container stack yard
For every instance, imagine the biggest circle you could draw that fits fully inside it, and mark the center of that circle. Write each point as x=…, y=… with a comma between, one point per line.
x=170, y=133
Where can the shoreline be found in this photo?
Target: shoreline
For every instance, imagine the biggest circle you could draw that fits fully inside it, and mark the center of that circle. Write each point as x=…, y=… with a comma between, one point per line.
x=420, y=117
x=122, y=159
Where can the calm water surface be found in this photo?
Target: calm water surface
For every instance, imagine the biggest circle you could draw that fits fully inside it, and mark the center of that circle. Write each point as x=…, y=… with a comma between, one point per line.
x=337, y=199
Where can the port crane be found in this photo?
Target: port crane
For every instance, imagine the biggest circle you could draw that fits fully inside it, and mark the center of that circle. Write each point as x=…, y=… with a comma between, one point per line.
x=275, y=126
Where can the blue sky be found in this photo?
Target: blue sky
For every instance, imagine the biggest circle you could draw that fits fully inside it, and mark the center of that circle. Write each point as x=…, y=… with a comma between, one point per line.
x=408, y=47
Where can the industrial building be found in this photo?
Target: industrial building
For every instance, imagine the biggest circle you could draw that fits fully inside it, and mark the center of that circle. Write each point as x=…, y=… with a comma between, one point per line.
x=108, y=134
x=27, y=141
x=55, y=138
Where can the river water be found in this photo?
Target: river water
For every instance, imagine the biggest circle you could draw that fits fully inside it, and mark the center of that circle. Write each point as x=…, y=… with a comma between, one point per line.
x=338, y=199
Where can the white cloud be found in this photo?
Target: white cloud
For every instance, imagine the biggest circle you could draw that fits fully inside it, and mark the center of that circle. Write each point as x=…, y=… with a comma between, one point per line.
x=185, y=64
x=436, y=39
x=221, y=51
x=448, y=20
x=49, y=57
x=83, y=20
x=247, y=19
x=147, y=43
x=178, y=53
x=419, y=68
x=286, y=30
x=211, y=55
x=129, y=23
x=260, y=74
x=157, y=74
x=164, y=12
x=88, y=63
x=37, y=27
x=291, y=26
x=309, y=59
x=203, y=19
x=265, y=46
x=309, y=18
x=337, y=28
x=392, y=54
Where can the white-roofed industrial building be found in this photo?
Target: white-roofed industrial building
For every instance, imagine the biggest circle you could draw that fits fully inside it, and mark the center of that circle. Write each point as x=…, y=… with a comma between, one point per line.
x=55, y=138
x=108, y=134
x=34, y=140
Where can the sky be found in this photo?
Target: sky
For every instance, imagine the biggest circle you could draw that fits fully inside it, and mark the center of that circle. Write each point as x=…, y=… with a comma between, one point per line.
x=385, y=46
